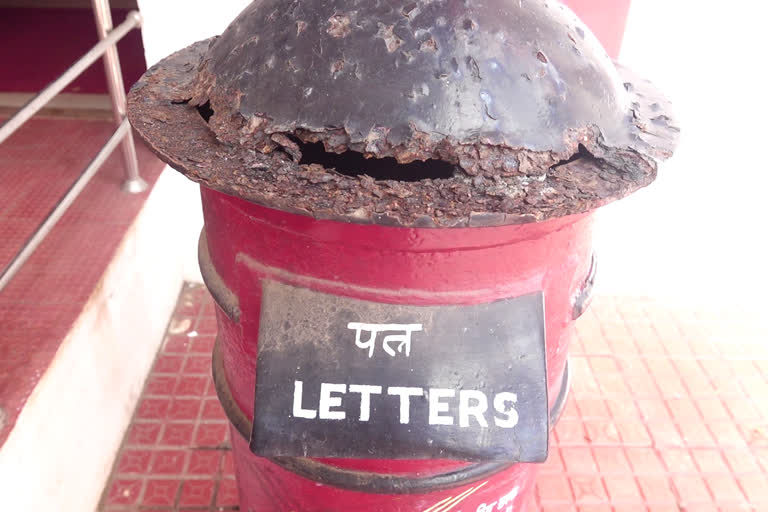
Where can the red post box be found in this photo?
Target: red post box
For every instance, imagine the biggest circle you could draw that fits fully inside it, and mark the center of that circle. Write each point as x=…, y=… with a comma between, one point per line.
x=605, y=18
x=398, y=201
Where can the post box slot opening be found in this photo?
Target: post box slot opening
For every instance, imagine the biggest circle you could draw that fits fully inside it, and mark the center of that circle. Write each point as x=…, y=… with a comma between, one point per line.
x=354, y=163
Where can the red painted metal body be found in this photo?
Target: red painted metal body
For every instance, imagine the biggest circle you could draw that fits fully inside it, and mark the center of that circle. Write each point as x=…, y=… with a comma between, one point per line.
x=265, y=486
x=605, y=18
x=248, y=243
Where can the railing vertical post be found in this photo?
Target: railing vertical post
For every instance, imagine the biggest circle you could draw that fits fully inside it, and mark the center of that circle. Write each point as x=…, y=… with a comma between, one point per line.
x=133, y=181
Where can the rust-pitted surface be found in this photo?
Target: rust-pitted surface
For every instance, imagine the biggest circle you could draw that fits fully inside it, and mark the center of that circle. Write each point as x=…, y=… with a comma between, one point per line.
x=517, y=96
x=414, y=79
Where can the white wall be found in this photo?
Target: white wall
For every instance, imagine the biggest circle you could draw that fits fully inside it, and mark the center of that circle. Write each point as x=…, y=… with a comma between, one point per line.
x=698, y=233
x=170, y=25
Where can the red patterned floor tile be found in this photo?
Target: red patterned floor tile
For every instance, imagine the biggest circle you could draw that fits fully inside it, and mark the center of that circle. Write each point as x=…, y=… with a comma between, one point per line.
x=691, y=489
x=168, y=363
x=596, y=508
x=709, y=460
x=134, y=461
x=153, y=408
x=755, y=487
x=644, y=461
x=189, y=305
x=202, y=344
x=633, y=433
x=588, y=489
x=737, y=436
x=570, y=412
x=694, y=377
x=181, y=325
x=570, y=433
x=178, y=434
x=204, y=462
x=212, y=410
x=191, y=386
x=761, y=454
x=554, y=462
x=662, y=370
x=578, y=459
x=610, y=379
x=197, y=493
x=161, y=492
x=624, y=410
x=184, y=409
x=141, y=433
x=742, y=410
x=558, y=508
x=168, y=462
x=206, y=325
x=623, y=489
x=678, y=461
x=197, y=365
x=712, y=409
x=592, y=408
x=160, y=385
x=553, y=488
x=211, y=434
x=665, y=434
x=124, y=491
x=657, y=489
x=602, y=432
x=177, y=344
x=653, y=410
x=611, y=460
x=742, y=460
x=724, y=489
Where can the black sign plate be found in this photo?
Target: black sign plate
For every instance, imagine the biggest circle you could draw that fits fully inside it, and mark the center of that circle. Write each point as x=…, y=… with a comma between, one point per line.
x=340, y=377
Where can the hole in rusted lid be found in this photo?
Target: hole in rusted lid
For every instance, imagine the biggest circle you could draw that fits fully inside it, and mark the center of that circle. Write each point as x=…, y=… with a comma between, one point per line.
x=353, y=163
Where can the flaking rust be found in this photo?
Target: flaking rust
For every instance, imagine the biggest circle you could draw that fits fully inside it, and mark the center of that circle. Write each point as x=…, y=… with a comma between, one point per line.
x=518, y=98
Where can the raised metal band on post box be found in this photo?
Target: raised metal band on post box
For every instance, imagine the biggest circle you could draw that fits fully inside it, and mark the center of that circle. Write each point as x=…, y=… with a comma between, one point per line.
x=223, y=296
x=582, y=301
x=228, y=302
x=364, y=481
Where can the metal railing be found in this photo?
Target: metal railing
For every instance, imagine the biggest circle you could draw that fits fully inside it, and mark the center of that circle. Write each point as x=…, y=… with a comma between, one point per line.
x=109, y=37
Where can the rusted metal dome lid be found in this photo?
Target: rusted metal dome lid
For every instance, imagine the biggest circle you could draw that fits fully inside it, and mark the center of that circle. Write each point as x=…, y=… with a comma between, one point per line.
x=423, y=113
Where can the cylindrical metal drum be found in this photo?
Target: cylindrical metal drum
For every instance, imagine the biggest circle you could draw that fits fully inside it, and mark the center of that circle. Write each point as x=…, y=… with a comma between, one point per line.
x=245, y=245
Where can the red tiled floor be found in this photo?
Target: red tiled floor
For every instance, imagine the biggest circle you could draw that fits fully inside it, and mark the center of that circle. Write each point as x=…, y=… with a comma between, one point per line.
x=179, y=426
x=666, y=417
x=38, y=164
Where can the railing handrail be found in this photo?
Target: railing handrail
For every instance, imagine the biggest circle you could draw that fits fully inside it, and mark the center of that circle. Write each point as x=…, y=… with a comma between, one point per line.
x=106, y=46
x=61, y=207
